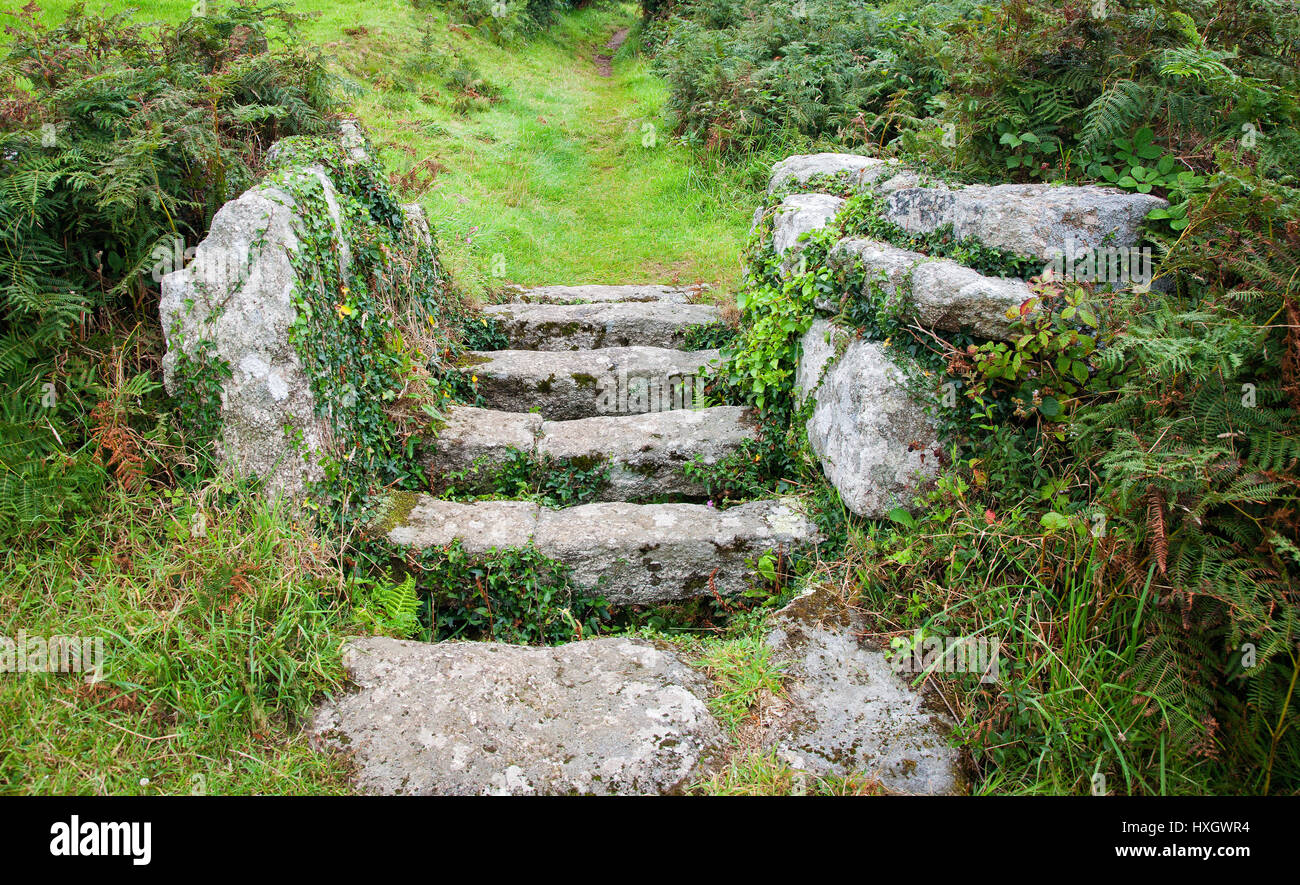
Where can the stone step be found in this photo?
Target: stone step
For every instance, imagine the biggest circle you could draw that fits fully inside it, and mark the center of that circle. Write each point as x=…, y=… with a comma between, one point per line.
x=645, y=454
x=592, y=326
x=607, y=294
x=488, y=437
x=562, y=385
x=610, y=716
x=629, y=553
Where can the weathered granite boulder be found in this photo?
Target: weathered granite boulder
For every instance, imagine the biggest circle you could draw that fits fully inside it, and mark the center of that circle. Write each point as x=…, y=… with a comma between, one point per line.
x=601, y=717
x=235, y=297
x=797, y=215
x=951, y=296
x=846, y=711
x=233, y=305
x=1037, y=220
x=874, y=438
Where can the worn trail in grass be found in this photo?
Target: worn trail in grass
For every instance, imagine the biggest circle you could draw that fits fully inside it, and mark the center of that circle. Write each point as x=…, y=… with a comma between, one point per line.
x=548, y=172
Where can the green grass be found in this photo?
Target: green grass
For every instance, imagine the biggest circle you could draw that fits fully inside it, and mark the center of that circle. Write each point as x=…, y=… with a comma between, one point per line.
x=742, y=671
x=555, y=177
x=219, y=632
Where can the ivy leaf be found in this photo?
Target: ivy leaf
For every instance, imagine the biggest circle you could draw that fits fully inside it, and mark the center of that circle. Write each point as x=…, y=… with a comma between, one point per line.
x=902, y=517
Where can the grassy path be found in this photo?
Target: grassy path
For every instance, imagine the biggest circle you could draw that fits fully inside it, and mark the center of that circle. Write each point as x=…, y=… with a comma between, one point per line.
x=564, y=176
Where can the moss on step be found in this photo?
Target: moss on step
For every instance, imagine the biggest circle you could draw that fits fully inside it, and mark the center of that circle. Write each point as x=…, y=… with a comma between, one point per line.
x=392, y=511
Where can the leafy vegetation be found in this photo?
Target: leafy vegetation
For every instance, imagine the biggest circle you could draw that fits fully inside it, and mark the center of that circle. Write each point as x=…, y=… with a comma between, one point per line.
x=525, y=476
x=117, y=142
x=220, y=620
x=374, y=337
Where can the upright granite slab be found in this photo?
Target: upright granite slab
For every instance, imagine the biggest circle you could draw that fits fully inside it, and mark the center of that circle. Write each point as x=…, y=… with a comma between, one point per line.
x=233, y=307
x=876, y=443
x=847, y=711
x=235, y=300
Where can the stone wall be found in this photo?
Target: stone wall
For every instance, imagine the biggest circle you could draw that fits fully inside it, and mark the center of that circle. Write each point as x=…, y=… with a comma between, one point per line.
x=872, y=429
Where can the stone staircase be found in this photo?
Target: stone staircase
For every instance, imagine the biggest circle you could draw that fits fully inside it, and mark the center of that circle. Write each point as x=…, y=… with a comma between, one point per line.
x=594, y=376
x=601, y=373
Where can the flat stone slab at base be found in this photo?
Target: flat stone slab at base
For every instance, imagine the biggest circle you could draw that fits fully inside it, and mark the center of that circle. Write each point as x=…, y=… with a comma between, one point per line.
x=646, y=454
x=592, y=326
x=604, y=717
x=562, y=385
x=848, y=712
x=628, y=553
x=605, y=294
